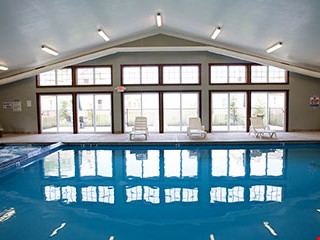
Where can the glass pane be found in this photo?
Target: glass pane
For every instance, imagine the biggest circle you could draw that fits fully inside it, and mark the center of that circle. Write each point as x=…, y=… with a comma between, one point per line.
x=171, y=74
x=171, y=100
x=277, y=75
x=276, y=106
x=218, y=74
x=259, y=74
x=219, y=105
x=237, y=112
x=85, y=113
x=190, y=74
x=237, y=74
x=150, y=109
x=259, y=104
x=103, y=120
x=85, y=76
x=49, y=122
x=65, y=113
x=171, y=112
x=47, y=78
x=131, y=75
x=150, y=75
x=64, y=76
x=102, y=75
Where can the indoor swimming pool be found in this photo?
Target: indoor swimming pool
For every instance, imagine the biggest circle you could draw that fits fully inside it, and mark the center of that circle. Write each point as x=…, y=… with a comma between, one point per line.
x=244, y=192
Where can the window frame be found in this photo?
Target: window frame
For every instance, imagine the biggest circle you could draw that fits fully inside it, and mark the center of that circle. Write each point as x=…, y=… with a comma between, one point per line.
x=245, y=65
x=38, y=80
x=198, y=65
x=140, y=66
x=75, y=75
x=286, y=72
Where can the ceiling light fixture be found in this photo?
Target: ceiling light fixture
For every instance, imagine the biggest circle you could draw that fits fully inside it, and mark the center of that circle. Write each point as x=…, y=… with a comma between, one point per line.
x=274, y=47
x=159, y=20
x=49, y=50
x=103, y=35
x=216, y=33
x=3, y=68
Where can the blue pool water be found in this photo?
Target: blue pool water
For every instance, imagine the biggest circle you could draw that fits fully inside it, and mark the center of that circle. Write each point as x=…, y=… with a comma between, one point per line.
x=199, y=192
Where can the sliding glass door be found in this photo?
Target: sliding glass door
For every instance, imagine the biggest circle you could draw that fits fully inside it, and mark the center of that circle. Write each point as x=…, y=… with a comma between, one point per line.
x=177, y=108
x=228, y=111
x=141, y=104
x=270, y=106
x=94, y=112
x=56, y=113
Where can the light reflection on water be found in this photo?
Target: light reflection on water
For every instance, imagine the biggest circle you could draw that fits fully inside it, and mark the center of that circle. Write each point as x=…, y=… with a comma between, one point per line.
x=168, y=193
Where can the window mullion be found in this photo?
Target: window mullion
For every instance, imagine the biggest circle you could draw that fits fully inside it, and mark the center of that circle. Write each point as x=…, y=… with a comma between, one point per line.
x=94, y=75
x=94, y=112
x=228, y=123
x=180, y=112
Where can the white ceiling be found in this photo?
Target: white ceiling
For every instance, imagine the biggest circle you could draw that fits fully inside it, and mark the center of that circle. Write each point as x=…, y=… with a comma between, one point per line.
x=70, y=26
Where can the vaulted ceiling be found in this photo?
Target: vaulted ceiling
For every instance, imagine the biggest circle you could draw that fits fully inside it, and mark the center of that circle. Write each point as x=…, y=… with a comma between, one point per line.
x=248, y=28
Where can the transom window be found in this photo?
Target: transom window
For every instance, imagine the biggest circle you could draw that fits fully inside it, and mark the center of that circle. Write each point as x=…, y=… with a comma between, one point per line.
x=267, y=74
x=181, y=74
x=57, y=77
x=93, y=75
x=227, y=74
x=140, y=75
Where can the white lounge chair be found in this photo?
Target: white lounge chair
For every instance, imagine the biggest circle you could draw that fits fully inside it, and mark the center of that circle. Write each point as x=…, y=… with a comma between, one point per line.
x=258, y=128
x=140, y=127
x=196, y=128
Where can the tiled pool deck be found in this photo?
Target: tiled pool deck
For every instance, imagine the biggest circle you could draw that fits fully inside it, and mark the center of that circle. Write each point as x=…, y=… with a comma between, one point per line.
x=155, y=138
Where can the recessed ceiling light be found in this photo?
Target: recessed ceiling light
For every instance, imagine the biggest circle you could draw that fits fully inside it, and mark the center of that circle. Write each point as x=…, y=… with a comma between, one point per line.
x=3, y=68
x=103, y=35
x=159, y=20
x=215, y=33
x=49, y=50
x=274, y=47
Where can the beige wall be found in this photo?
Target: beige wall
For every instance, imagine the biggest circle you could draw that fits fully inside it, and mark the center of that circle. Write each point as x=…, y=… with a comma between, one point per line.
x=301, y=116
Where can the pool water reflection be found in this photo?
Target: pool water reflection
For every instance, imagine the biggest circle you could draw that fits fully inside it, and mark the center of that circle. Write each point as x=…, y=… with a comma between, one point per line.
x=167, y=193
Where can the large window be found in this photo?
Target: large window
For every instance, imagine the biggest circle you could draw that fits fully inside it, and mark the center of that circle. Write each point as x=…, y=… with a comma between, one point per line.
x=56, y=113
x=140, y=75
x=94, y=112
x=141, y=104
x=220, y=74
x=267, y=74
x=58, y=77
x=228, y=111
x=93, y=75
x=177, y=108
x=270, y=106
x=181, y=74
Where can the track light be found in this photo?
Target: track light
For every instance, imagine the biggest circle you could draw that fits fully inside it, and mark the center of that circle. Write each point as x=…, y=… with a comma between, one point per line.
x=49, y=50
x=159, y=20
x=3, y=68
x=103, y=35
x=274, y=47
x=216, y=33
